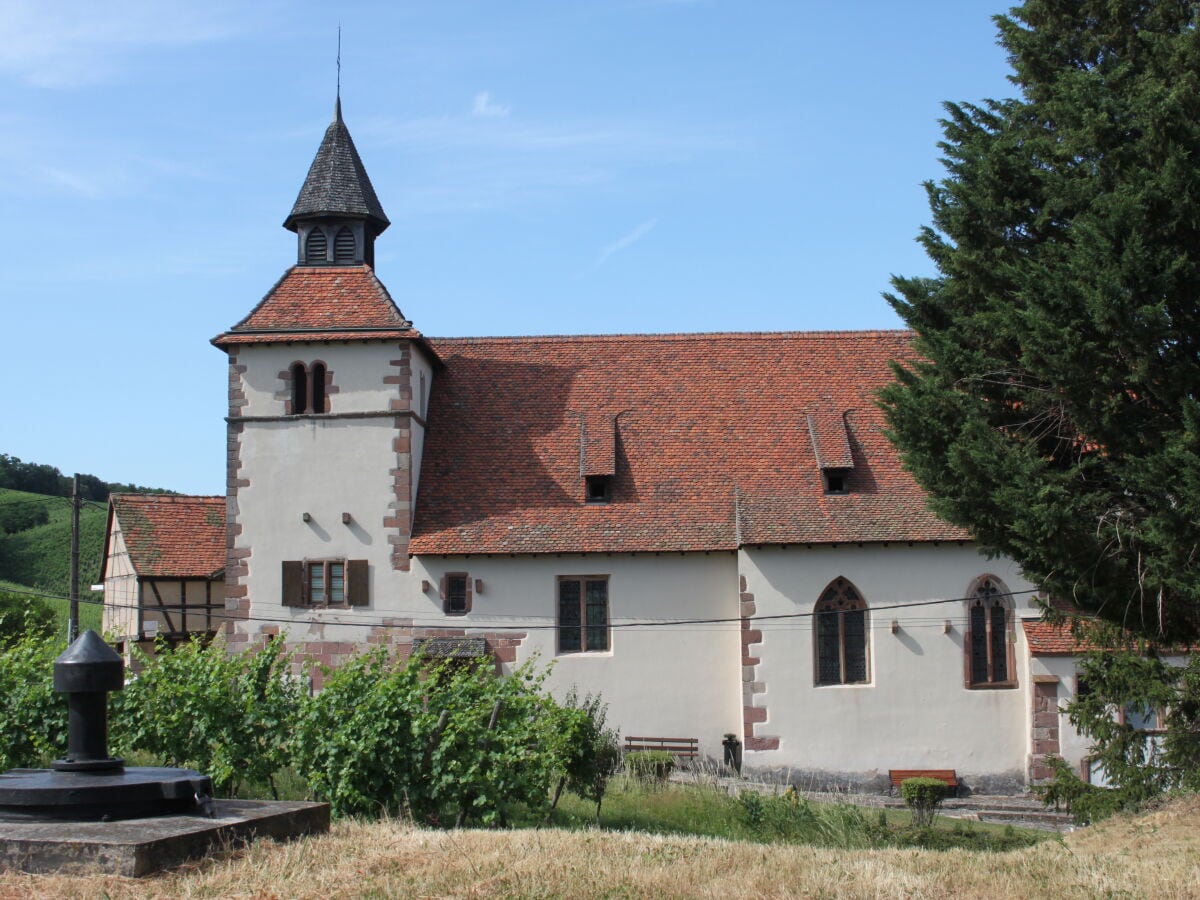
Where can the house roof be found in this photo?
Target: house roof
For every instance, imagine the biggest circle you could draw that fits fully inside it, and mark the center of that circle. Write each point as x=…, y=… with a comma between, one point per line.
x=171, y=536
x=1054, y=638
x=322, y=303
x=337, y=182
x=712, y=443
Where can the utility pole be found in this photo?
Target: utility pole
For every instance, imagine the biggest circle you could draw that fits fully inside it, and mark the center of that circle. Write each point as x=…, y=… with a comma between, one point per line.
x=73, y=618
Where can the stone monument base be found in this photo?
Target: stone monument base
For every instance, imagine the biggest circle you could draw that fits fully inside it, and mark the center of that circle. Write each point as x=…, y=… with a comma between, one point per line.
x=135, y=847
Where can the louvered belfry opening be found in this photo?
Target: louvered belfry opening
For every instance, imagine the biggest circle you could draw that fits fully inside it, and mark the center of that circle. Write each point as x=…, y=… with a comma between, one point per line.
x=316, y=251
x=345, y=247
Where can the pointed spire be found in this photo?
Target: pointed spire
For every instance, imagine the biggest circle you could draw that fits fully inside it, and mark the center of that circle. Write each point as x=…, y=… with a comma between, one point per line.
x=337, y=184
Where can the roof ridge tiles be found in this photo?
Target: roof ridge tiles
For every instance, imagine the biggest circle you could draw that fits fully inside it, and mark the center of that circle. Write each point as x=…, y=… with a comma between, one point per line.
x=670, y=336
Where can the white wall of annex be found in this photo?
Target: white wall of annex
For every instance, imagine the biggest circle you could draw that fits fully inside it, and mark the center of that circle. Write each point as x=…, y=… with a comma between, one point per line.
x=358, y=370
x=915, y=712
x=663, y=681
x=120, y=616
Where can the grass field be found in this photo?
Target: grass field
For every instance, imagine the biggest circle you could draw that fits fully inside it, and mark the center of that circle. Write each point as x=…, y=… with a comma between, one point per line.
x=1156, y=854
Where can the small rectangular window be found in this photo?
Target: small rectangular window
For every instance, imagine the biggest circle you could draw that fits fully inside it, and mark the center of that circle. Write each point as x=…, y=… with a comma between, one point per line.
x=583, y=623
x=457, y=594
x=835, y=481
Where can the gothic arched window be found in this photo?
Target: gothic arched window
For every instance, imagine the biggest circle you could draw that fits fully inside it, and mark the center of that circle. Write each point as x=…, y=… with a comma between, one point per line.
x=841, y=632
x=988, y=643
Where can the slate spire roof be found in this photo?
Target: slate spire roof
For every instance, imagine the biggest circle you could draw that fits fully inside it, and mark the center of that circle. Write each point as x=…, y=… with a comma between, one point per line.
x=337, y=182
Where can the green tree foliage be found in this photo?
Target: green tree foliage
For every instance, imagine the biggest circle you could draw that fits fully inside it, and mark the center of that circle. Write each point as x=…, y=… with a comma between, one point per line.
x=33, y=717
x=1142, y=715
x=23, y=616
x=19, y=516
x=230, y=716
x=1056, y=412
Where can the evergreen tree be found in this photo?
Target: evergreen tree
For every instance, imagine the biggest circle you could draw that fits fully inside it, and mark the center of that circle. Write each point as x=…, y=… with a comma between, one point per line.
x=1056, y=409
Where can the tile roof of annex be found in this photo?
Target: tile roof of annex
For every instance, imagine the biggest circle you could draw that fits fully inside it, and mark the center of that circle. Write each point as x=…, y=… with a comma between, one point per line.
x=713, y=449
x=171, y=536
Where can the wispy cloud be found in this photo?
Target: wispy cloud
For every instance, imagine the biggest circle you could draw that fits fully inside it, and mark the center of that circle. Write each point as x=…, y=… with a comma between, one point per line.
x=625, y=241
x=471, y=163
x=69, y=43
x=483, y=107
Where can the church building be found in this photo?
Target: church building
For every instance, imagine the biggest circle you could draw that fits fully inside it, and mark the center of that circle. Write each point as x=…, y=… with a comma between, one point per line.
x=710, y=530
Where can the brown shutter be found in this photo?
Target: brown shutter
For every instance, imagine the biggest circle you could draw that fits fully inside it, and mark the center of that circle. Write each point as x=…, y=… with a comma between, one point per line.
x=293, y=583
x=358, y=586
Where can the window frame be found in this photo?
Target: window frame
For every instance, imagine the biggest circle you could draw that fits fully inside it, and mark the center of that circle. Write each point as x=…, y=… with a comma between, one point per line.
x=841, y=590
x=583, y=627
x=999, y=597
x=308, y=386
x=446, y=592
x=297, y=586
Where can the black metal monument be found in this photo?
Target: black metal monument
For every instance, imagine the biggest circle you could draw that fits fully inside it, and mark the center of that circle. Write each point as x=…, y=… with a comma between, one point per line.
x=89, y=785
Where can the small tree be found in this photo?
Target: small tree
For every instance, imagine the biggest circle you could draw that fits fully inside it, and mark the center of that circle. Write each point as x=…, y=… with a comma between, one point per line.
x=1123, y=689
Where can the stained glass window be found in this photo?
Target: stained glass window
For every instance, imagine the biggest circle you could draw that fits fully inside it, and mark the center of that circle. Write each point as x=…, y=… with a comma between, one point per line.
x=988, y=625
x=582, y=614
x=841, y=629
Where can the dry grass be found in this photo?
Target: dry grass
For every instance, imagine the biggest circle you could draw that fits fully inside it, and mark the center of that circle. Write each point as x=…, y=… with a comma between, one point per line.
x=1153, y=855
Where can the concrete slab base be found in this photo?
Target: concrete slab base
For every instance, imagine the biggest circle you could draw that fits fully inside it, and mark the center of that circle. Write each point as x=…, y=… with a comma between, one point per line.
x=135, y=847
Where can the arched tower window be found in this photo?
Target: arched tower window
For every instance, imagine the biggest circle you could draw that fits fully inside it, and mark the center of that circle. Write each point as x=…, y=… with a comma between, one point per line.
x=989, y=634
x=299, y=389
x=317, y=376
x=316, y=249
x=841, y=631
x=344, y=247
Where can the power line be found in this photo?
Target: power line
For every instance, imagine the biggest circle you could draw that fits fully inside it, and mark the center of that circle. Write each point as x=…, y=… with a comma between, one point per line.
x=777, y=619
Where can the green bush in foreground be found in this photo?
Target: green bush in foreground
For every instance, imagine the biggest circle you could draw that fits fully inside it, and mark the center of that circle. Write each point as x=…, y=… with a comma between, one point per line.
x=650, y=765
x=33, y=717
x=923, y=796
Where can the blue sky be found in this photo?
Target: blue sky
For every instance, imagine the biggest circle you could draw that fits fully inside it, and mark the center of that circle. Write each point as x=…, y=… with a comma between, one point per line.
x=608, y=166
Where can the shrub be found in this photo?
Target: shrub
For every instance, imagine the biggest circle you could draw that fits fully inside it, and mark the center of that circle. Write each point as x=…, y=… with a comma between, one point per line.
x=923, y=796
x=589, y=753
x=650, y=765
x=33, y=716
x=230, y=716
x=428, y=740
x=22, y=616
x=1087, y=803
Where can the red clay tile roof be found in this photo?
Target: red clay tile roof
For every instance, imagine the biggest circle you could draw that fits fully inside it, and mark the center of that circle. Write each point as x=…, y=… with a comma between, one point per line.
x=1053, y=638
x=713, y=449
x=171, y=536
x=322, y=303
x=831, y=441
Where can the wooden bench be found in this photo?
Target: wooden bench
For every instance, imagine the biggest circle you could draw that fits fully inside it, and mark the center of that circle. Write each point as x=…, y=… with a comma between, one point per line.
x=684, y=750
x=948, y=776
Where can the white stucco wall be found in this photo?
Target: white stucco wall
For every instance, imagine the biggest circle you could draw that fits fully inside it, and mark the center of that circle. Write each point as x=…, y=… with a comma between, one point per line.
x=666, y=681
x=322, y=467
x=357, y=371
x=916, y=711
x=120, y=618
x=422, y=385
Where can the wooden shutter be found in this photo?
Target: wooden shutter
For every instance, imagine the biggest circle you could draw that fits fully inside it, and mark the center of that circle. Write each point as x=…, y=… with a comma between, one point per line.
x=293, y=583
x=358, y=586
